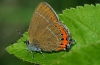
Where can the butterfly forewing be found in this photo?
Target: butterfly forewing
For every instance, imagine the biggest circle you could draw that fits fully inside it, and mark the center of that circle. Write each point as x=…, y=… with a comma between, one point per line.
x=42, y=31
x=45, y=10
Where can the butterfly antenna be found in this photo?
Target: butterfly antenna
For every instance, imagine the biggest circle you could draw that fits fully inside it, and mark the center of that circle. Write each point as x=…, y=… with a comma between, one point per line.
x=19, y=32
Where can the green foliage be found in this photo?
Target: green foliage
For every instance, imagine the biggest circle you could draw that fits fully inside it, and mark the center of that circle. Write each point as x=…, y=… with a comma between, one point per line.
x=83, y=23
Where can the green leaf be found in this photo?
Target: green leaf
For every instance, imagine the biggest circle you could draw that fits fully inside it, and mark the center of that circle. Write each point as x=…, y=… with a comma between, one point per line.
x=83, y=24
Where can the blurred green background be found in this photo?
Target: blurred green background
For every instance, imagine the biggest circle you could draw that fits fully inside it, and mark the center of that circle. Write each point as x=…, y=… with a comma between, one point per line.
x=16, y=15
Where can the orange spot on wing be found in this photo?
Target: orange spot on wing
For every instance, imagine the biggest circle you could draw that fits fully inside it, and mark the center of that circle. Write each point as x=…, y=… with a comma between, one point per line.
x=53, y=18
x=64, y=41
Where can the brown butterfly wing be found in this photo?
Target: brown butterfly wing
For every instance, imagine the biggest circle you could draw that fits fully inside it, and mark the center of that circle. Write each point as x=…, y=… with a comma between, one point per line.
x=42, y=31
x=47, y=11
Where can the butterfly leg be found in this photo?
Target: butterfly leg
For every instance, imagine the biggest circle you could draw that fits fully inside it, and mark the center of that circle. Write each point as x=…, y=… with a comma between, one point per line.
x=39, y=50
x=27, y=52
x=42, y=54
x=32, y=54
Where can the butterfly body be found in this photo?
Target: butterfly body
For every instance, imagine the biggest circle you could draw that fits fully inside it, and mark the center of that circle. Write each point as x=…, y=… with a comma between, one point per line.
x=46, y=32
